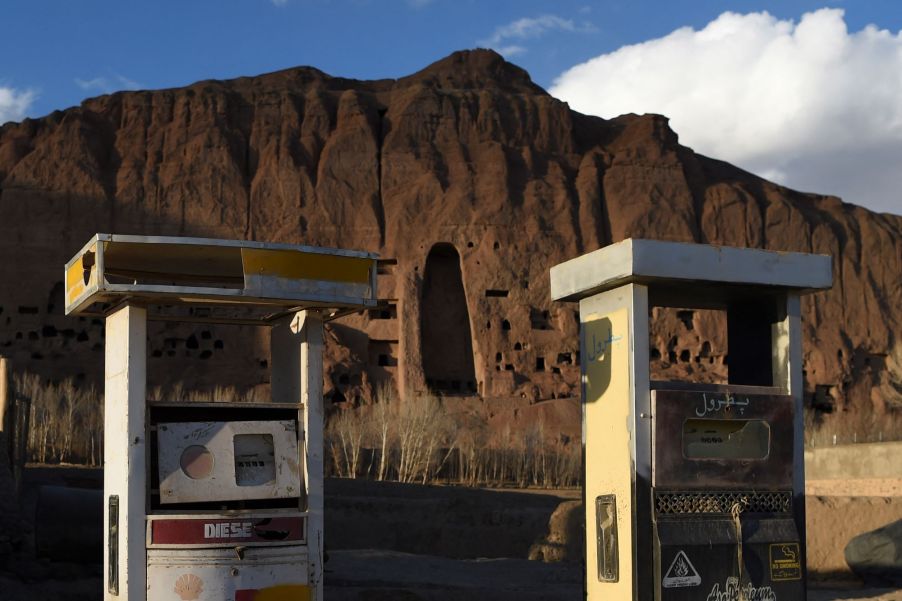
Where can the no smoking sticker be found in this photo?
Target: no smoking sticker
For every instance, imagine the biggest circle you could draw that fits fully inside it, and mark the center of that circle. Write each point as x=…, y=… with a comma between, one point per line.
x=681, y=573
x=785, y=562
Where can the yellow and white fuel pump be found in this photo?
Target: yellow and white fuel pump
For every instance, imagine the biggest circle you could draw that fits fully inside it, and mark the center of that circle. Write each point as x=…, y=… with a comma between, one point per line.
x=217, y=501
x=692, y=491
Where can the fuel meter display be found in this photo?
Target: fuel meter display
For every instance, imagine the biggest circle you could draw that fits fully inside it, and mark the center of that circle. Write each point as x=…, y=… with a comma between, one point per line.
x=726, y=439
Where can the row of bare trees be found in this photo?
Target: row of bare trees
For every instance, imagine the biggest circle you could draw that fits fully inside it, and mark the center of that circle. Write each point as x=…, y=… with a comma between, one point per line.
x=418, y=440
x=390, y=440
x=410, y=440
x=66, y=421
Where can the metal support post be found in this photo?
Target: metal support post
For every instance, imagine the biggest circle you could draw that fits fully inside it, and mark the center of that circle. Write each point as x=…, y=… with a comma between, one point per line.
x=124, y=474
x=297, y=376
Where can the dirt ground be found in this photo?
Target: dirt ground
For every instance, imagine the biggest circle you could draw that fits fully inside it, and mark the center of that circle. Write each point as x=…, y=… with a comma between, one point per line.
x=446, y=543
x=378, y=575
x=838, y=510
x=862, y=487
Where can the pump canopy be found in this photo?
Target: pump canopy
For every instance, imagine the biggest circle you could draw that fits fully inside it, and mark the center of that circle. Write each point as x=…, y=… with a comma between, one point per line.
x=659, y=263
x=224, y=280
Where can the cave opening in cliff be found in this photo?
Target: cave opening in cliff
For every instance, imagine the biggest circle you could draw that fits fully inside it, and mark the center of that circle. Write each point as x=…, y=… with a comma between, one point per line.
x=445, y=334
x=725, y=342
x=689, y=344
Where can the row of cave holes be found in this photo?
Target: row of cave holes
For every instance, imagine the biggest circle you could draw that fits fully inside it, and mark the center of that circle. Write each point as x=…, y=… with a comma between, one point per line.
x=562, y=359
x=384, y=352
x=495, y=245
x=56, y=293
x=538, y=320
x=171, y=344
x=685, y=355
x=384, y=312
x=49, y=331
x=452, y=385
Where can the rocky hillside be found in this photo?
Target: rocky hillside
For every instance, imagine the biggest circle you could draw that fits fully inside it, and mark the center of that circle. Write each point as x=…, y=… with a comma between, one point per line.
x=470, y=178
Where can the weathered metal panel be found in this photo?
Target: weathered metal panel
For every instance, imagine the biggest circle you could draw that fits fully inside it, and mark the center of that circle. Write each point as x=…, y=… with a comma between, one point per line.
x=614, y=364
x=700, y=559
x=678, y=412
x=221, y=575
x=257, y=529
x=232, y=461
x=81, y=276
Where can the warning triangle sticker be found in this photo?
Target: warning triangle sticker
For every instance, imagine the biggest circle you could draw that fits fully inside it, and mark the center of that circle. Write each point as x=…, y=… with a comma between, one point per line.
x=681, y=573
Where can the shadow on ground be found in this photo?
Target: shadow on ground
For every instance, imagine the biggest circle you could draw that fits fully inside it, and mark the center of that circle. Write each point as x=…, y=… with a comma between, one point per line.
x=385, y=541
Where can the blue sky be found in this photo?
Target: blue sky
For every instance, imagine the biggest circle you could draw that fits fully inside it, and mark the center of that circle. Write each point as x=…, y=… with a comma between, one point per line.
x=58, y=52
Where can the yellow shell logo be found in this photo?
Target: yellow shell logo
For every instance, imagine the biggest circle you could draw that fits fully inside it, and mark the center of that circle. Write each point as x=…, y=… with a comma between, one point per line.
x=189, y=587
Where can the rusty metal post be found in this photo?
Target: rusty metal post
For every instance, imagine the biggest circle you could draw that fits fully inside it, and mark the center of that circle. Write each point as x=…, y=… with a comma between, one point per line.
x=14, y=422
x=7, y=401
x=5, y=394
x=20, y=430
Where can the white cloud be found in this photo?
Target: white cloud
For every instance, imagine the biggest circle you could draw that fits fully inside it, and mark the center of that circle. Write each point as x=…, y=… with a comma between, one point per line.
x=14, y=103
x=107, y=85
x=529, y=28
x=511, y=50
x=128, y=84
x=808, y=104
x=99, y=83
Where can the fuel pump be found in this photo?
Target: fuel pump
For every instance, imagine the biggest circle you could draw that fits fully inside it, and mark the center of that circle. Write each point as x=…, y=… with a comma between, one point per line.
x=692, y=491
x=214, y=501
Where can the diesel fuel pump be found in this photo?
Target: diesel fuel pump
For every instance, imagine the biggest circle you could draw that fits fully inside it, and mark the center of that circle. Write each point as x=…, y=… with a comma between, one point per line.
x=220, y=500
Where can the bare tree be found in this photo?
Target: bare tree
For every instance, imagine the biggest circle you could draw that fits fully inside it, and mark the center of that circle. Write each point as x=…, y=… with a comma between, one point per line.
x=386, y=397
x=346, y=432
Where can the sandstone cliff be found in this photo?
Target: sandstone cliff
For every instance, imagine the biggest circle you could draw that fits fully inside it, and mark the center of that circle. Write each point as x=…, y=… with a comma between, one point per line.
x=470, y=178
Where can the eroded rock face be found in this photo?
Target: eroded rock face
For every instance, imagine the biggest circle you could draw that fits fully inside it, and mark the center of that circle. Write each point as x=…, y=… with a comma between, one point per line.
x=467, y=160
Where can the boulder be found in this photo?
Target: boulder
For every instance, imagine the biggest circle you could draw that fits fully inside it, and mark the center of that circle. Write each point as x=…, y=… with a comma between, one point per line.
x=564, y=541
x=876, y=556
